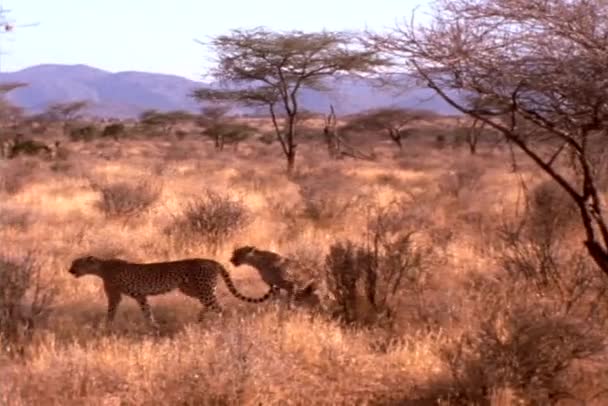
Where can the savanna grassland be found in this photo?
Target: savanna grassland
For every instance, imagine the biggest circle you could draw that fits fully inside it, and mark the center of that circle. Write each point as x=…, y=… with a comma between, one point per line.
x=478, y=291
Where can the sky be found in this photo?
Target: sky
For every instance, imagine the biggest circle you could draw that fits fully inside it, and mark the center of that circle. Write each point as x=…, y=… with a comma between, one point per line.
x=158, y=36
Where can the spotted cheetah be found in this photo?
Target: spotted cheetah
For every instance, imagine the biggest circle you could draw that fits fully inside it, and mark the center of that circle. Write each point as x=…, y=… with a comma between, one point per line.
x=277, y=272
x=195, y=277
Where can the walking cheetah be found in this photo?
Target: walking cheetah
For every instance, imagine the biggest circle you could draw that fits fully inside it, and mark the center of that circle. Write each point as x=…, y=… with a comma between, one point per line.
x=194, y=277
x=277, y=272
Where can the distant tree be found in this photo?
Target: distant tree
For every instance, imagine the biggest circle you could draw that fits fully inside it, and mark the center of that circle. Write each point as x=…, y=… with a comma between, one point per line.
x=10, y=116
x=113, y=130
x=393, y=120
x=222, y=128
x=270, y=69
x=539, y=67
x=166, y=121
x=330, y=133
x=67, y=113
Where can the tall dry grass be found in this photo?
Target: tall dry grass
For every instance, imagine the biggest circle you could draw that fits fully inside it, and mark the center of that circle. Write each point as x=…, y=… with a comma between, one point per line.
x=463, y=311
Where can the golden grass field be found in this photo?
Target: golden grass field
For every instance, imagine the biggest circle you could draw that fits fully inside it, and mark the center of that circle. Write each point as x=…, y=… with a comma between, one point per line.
x=262, y=354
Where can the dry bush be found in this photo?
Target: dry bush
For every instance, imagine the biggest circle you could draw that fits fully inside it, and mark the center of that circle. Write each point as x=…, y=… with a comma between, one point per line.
x=177, y=152
x=327, y=209
x=532, y=325
x=523, y=351
x=24, y=299
x=368, y=280
x=16, y=174
x=533, y=249
x=114, y=130
x=327, y=197
x=388, y=179
x=268, y=138
x=16, y=218
x=29, y=147
x=533, y=245
x=212, y=218
x=123, y=199
x=84, y=133
x=463, y=178
x=256, y=181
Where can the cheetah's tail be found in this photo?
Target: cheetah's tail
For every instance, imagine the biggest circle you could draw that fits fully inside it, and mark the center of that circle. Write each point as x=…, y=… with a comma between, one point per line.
x=230, y=285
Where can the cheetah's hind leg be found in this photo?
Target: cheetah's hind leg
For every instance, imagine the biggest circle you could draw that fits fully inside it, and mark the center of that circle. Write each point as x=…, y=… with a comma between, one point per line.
x=209, y=303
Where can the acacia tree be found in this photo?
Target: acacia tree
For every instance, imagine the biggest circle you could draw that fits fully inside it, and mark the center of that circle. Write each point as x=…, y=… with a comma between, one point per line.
x=541, y=67
x=166, y=121
x=393, y=120
x=67, y=113
x=258, y=67
x=10, y=114
x=222, y=128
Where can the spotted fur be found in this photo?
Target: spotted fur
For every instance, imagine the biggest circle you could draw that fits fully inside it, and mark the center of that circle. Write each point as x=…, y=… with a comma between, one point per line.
x=196, y=278
x=278, y=272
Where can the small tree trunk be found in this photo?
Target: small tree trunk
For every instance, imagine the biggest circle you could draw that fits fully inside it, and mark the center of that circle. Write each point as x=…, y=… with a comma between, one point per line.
x=472, y=145
x=473, y=135
x=291, y=145
x=291, y=162
x=331, y=136
x=396, y=137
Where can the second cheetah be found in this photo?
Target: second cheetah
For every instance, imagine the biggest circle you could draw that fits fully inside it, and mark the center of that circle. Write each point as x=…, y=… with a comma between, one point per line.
x=195, y=277
x=277, y=272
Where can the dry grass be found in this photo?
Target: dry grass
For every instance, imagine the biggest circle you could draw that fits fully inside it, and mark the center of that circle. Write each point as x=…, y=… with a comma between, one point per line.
x=463, y=328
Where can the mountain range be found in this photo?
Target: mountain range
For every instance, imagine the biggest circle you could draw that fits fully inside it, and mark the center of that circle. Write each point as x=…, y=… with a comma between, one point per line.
x=127, y=94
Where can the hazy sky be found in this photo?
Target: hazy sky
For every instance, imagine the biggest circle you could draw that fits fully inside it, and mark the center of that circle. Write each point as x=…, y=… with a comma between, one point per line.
x=158, y=36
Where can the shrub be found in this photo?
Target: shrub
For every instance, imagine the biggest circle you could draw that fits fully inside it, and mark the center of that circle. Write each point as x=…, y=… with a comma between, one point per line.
x=16, y=174
x=213, y=218
x=327, y=209
x=29, y=147
x=123, y=199
x=18, y=218
x=228, y=133
x=532, y=243
x=367, y=280
x=526, y=352
x=24, y=300
x=328, y=196
x=463, y=178
x=114, y=130
x=83, y=133
x=268, y=138
x=440, y=141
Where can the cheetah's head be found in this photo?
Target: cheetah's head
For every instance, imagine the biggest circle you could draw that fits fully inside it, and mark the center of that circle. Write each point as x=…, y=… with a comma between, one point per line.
x=84, y=265
x=239, y=255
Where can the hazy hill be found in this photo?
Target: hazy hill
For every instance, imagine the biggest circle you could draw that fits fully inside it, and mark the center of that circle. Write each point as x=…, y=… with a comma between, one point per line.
x=126, y=94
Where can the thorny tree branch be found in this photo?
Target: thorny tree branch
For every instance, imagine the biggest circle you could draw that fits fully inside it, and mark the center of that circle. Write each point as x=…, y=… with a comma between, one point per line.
x=539, y=66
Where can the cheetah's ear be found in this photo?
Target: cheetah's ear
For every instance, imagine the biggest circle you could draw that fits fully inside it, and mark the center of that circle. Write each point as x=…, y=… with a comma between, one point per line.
x=309, y=288
x=249, y=249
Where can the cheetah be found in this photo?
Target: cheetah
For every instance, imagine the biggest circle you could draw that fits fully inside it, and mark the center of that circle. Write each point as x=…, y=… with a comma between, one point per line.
x=277, y=272
x=193, y=277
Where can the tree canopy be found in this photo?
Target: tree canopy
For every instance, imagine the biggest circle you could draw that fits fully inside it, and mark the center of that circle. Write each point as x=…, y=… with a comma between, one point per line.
x=261, y=67
x=393, y=120
x=535, y=71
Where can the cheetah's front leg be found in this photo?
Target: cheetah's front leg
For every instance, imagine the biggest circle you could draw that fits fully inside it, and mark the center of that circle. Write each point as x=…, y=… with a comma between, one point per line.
x=147, y=311
x=114, y=299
